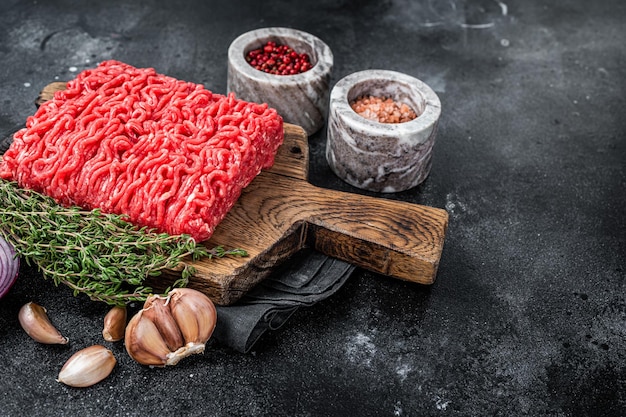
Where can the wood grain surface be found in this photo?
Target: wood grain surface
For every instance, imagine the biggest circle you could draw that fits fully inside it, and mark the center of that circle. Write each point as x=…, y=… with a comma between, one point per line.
x=280, y=213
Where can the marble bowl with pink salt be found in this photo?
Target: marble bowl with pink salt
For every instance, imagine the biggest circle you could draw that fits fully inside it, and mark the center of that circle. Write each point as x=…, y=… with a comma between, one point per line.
x=378, y=156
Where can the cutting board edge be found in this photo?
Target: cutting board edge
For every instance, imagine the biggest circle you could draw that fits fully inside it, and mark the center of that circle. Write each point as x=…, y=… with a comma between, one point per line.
x=257, y=268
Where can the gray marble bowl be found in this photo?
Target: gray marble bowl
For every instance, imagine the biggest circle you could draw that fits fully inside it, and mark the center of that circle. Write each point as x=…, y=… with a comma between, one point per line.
x=381, y=157
x=301, y=99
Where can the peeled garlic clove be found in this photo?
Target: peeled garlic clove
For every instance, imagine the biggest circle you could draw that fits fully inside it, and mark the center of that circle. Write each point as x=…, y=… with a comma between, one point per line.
x=87, y=367
x=114, y=324
x=37, y=325
x=195, y=314
x=144, y=343
x=158, y=312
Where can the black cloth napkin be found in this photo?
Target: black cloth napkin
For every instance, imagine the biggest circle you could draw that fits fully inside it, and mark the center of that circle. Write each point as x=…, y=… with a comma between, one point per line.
x=305, y=279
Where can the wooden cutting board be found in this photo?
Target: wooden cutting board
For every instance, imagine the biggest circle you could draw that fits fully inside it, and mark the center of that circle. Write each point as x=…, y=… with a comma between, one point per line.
x=280, y=213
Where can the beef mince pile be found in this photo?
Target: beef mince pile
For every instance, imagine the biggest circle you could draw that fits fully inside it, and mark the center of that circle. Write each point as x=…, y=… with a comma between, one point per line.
x=168, y=154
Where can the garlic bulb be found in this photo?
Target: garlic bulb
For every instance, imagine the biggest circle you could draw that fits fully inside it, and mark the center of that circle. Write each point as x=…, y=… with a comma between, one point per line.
x=114, y=324
x=37, y=325
x=170, y=328
x=87, y=367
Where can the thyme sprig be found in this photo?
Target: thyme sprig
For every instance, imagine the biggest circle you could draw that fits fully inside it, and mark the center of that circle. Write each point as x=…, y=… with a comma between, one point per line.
x=93, y=253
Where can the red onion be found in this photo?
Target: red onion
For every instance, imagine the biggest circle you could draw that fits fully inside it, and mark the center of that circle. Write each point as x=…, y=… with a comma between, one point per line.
x=9, y=266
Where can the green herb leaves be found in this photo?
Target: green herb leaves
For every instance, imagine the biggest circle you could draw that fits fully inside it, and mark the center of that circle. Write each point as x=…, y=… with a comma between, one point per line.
x=100, y=255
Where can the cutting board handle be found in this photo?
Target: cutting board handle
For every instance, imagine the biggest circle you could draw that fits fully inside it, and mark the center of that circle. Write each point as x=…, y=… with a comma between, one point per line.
x=389, y=237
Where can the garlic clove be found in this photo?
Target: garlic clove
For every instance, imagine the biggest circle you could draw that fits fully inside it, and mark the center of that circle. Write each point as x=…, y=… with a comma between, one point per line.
x=144, y=343
x=87, y=367
x=195, y=314
x=114, y=324
x=37, y=325
x=186, y=320
x=158, y=312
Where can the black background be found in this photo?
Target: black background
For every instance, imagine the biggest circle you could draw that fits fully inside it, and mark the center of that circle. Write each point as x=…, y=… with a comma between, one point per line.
x=528, y=313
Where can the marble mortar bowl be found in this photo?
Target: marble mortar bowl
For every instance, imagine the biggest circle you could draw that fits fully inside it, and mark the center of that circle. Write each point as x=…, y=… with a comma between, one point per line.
x=301, y=99
x=381, y=157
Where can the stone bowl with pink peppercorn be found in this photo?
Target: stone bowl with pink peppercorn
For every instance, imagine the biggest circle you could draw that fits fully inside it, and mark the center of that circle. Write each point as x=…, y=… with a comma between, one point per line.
x=301, y=98
x=376, y=155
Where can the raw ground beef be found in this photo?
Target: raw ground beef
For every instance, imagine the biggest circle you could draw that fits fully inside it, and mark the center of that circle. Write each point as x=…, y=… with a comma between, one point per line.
x=166, y=153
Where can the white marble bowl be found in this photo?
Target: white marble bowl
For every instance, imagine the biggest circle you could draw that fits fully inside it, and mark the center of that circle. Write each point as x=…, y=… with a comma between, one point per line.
x=381, y=157
x=301, y=99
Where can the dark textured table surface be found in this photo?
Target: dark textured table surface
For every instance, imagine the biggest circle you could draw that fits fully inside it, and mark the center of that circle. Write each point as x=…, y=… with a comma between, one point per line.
x=528, y=313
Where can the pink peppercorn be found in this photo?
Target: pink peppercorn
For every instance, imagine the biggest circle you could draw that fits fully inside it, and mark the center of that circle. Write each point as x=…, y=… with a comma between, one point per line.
x=278, y=59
